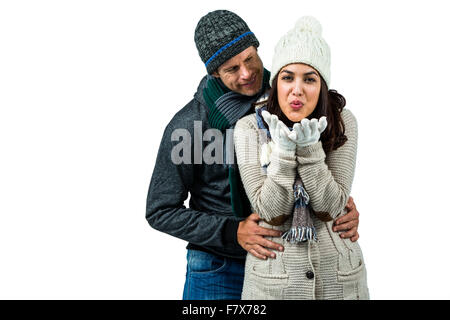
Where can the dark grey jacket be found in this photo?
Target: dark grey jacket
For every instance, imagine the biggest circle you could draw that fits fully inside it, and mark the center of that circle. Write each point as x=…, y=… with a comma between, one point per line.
x=209, y=223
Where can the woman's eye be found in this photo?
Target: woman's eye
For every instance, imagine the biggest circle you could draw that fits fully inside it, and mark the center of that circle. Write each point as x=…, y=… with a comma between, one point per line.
x=310, y=80
x=286, y=78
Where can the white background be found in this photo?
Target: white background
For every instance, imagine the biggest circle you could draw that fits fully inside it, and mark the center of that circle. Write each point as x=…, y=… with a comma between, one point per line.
x=87, y=87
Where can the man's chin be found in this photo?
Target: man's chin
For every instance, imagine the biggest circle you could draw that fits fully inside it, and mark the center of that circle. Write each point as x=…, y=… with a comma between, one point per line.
x=249, y=91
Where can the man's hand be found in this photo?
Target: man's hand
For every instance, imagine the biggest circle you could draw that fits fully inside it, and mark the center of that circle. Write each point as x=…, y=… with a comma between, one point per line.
x=349, y=222
x=251, y=237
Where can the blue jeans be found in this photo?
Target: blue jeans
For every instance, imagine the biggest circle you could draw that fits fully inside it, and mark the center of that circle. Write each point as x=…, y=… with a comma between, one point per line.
x=212, y=277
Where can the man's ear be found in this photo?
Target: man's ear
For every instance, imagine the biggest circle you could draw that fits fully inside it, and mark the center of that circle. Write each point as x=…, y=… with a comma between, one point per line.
x=215, y=74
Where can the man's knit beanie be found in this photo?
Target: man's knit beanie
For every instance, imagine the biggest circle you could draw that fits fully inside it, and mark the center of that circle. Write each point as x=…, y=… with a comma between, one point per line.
x=303, y=44
x=219, y=36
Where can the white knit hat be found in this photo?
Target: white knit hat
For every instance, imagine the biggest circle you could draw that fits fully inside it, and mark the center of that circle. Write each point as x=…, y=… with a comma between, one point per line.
x=303, y=44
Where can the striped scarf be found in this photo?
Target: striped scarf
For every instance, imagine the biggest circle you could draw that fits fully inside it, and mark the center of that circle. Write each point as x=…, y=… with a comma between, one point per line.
x=302, y=228
x=226, y=107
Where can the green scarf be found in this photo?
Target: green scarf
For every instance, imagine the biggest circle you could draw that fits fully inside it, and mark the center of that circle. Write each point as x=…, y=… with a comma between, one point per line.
x=226, y=107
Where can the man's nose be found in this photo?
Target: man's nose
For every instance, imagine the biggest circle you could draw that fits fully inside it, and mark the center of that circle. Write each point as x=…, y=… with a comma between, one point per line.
x=245, y=73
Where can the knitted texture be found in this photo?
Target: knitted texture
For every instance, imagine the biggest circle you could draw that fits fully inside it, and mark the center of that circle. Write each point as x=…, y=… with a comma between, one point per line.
x=225, y=108
x=219, y=36
x=332, y=268
x=303, y=44
x=211, y=93
x=302, y=228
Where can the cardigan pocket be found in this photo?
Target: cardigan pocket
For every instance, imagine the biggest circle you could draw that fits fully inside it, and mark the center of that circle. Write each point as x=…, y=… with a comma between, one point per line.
x=350, y=282
x=263, y=286
x=354, y=283
x=264, y=279
x=351, y=276
x=351, y=269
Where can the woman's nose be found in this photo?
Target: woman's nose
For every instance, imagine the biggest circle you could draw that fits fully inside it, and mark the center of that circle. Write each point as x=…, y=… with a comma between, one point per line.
x=297, y=90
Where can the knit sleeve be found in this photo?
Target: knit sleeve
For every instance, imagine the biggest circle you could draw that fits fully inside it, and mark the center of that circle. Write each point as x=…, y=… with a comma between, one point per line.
x=270, y=194
x=328, y=179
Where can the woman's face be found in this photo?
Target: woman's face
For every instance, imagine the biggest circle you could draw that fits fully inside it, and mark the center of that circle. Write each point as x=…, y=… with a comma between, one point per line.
x=298, y=90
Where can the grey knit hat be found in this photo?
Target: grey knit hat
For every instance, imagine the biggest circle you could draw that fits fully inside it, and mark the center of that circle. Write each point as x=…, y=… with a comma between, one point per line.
x=219, y=36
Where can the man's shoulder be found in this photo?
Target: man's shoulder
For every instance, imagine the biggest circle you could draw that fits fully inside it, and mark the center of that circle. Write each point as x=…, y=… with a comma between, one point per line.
x=194, y=110
x=185, y=117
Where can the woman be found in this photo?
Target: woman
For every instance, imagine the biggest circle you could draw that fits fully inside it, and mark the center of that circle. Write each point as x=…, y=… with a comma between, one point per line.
x=296, y=157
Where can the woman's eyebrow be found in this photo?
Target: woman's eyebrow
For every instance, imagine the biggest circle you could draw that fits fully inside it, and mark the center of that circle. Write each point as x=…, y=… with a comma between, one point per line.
x=310, y=73
x=305, y=74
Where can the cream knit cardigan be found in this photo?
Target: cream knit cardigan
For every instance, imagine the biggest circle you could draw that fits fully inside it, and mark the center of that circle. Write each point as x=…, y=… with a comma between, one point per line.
x=332, y=268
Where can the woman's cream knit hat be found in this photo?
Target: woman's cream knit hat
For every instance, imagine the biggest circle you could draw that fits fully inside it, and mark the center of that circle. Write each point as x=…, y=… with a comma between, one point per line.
x=303, y=44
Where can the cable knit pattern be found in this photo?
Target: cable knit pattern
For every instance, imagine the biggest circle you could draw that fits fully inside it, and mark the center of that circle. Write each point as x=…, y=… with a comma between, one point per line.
x=260, y=187
x=329, y=182
x=332, y=268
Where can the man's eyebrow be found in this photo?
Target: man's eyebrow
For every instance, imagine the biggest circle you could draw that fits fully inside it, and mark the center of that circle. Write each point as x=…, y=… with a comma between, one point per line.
x=230, y=68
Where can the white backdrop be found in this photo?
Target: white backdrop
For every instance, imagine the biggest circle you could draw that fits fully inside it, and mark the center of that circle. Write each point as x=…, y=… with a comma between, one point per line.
x=87, y=87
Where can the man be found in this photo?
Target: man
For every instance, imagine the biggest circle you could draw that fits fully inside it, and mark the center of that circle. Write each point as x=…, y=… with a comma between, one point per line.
x=218, y=224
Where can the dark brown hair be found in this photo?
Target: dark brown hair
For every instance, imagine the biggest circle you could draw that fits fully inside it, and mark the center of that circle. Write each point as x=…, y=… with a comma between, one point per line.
x=330, y=105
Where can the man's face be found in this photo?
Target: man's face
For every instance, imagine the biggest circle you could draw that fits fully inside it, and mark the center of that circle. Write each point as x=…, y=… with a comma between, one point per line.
x=243, y=73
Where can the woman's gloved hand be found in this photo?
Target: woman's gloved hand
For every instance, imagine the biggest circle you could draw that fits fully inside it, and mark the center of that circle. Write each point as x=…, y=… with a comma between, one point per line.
x=282, y=137
x=308, y=131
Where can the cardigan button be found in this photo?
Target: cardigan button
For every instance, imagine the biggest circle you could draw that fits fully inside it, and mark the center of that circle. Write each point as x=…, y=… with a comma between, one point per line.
x=310, y=275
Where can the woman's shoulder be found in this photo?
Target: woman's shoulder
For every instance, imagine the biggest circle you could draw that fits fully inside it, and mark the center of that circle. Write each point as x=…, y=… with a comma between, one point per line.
x=250, y=121
x=247, y=122
x=349, y=120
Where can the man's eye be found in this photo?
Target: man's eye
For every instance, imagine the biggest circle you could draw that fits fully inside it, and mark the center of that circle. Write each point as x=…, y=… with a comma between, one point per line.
x=232, y=70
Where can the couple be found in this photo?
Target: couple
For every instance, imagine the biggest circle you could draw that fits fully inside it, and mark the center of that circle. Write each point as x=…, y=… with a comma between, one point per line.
x=265, y=226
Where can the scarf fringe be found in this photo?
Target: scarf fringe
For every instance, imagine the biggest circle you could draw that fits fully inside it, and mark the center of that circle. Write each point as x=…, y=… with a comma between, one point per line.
x=300, y=234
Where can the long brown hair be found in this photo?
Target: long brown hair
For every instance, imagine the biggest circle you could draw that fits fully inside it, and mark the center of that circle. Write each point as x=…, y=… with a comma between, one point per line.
x=330, y=105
